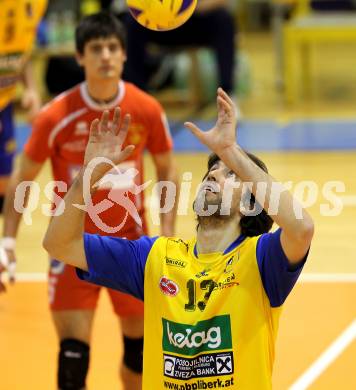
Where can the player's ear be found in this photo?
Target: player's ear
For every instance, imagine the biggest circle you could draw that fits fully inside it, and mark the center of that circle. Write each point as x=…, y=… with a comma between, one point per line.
x=79, y=58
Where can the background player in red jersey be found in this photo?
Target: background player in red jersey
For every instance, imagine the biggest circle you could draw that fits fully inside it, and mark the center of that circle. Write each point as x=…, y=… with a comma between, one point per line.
x=61, y=132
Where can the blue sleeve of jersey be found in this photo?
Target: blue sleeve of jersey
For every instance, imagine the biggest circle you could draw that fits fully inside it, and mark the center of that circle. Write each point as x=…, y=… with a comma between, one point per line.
x=277, y=276
x=116, y=262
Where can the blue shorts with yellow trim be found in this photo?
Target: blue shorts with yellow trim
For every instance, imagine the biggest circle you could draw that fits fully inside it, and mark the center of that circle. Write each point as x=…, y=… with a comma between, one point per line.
x=7, y=141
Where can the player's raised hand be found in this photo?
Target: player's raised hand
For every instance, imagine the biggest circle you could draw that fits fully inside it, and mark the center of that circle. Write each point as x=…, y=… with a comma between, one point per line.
x=223, y=135
x=106, y=139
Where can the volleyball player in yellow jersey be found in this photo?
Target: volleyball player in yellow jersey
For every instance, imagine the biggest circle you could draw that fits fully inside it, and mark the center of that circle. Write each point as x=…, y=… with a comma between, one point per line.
x=212, y=304
x=18, y=26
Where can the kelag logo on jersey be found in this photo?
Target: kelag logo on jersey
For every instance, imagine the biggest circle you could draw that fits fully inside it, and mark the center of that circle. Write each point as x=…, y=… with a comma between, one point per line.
x=208, y=335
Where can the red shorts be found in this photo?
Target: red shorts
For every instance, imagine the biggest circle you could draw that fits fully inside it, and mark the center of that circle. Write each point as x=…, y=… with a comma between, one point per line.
x=67, y=292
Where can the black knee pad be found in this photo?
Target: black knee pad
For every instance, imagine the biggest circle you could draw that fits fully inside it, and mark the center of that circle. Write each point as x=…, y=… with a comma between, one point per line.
x=133, y=354
x=73, y=364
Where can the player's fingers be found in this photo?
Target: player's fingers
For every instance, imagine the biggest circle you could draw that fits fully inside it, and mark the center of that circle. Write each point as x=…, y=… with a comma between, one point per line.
x=224, y=106
x=194, y=129
x=94, y=128
x=126, y=152
x=219, y=105
x=225, y=96
x=126, y=122
x=122, y=132
x=104, y=122
x=116, y=120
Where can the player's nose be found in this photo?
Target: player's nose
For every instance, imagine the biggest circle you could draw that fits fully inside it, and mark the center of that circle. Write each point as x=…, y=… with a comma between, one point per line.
x=212, y=176
x=216, y=174
x=105, y=53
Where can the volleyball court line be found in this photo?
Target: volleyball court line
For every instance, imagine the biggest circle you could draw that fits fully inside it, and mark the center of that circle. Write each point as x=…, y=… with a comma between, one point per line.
x=326, y=358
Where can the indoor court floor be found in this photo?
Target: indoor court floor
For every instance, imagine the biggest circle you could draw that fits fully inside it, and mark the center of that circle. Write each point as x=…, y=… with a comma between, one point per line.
x=313, y=141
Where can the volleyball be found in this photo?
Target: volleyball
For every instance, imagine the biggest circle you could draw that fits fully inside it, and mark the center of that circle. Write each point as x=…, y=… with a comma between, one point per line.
x=161, y=15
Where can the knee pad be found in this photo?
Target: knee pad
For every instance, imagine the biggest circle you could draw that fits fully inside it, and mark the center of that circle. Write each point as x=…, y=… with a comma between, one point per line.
x=133, y=354
x=73, y=364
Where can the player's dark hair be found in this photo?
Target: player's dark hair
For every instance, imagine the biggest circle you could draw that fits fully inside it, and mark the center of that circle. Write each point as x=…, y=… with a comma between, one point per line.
x=250, y=225
x=100, y=25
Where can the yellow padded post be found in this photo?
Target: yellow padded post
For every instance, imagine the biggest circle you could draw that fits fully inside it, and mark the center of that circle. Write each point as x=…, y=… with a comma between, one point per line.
x=301, y=33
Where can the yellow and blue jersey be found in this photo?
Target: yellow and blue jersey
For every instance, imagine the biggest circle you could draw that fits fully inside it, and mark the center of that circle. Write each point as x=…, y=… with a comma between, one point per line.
x=19, y=20
x=211, y=320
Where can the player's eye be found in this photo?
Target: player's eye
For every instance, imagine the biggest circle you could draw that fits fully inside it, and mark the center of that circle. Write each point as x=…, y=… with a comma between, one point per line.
x=113, y=47
x=96, y=48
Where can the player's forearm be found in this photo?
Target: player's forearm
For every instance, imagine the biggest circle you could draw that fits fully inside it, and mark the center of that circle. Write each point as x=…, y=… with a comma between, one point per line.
x=168, y=219
x=65, y=232
x=168, y=222
x=28, y=76
x=12, y=218
x=284, y=209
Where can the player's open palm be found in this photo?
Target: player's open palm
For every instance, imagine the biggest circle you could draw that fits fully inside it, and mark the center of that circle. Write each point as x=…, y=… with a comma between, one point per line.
x=223, y=134
x=106, y=140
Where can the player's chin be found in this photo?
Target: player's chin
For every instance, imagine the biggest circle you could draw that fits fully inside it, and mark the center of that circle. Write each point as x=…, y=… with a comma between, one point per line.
x=110, y=74
x=204, y=197
x=213, y=198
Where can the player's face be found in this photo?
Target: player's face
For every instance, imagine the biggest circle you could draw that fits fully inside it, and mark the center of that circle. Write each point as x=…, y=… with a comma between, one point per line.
x=103, y=58
x=221, y=187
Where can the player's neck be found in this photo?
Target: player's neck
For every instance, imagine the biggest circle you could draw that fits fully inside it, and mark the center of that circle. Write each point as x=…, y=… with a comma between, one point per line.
x=103, y=92
x=216, y=236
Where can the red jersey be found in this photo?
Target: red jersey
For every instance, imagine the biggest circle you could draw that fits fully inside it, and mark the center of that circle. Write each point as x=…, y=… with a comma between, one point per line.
x=61, y=131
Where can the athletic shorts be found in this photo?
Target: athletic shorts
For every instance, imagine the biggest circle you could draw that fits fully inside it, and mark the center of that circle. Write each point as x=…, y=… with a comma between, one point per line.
x=7, y=141
x=67, y=292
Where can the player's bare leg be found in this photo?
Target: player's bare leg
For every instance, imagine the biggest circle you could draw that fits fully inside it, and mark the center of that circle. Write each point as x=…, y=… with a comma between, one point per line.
x=132, y=329
x=73, y=329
